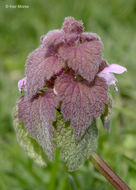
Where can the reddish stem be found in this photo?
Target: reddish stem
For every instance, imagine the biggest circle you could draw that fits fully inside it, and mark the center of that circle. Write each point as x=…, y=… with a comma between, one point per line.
x=108, y=173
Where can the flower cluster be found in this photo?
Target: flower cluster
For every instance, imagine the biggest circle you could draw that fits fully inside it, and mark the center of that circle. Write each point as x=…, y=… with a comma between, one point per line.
x=67, y=73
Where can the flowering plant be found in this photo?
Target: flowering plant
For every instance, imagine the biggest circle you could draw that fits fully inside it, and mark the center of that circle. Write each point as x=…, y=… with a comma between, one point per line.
x=66, y=90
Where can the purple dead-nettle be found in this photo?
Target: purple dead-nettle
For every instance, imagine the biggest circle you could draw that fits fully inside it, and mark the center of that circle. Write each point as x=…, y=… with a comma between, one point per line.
x=66, y=87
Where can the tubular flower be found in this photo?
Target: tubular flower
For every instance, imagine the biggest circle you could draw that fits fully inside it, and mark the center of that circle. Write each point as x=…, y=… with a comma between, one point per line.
x=66, y=88
x=106, y=73
x=22, y=85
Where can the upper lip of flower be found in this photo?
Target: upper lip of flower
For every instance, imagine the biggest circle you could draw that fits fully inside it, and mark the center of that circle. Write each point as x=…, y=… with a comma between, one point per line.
x=107, y=74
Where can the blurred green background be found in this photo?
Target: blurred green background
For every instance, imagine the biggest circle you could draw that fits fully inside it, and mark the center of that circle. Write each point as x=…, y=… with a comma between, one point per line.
x=20, y=31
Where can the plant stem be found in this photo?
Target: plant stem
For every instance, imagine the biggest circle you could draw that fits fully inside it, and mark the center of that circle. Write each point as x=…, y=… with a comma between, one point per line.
x=108, y=173
x=72, y=182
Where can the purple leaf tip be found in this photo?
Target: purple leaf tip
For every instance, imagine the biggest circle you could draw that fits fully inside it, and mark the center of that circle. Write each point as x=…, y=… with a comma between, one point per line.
x=72, y=26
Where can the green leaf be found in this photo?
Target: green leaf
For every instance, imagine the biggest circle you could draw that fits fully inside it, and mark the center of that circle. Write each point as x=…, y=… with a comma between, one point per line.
x=105, y=117
x=74, y=152
x=131, y=162
x=33, y=149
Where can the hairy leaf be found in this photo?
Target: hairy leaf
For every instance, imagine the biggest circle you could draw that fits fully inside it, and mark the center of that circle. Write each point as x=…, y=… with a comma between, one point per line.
x=56, y=38
x=37, y=115
x=83, y=58
x=70, y=25
x=103, y=64
x=32, y=148
x=74, y=153
x=53, y=37
x=81, y=101
x=105, y=117
x=87, y=36
x=39, y=69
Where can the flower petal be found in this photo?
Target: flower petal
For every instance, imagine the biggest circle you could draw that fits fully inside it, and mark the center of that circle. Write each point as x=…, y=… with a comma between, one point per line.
x=109, y=77
x=22, y=84
x=114, y=68
x=106, y=73
x=116, y=88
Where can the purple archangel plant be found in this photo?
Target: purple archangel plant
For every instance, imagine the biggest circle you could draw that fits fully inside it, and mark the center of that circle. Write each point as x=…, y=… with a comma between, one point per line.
x=65, y=92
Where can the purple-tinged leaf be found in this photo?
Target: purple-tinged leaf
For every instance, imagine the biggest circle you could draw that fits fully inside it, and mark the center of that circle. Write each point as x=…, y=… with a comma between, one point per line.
x=52, y=66
x=72, y=26
x=86, y=36
x=29, y=144
x=35, y=81
x=53, y=37
x=39, y=69
x=84, y=58
x=81, y=102
x=37, y=116
x=102, y=66
x=71, y=39
x=56, y=38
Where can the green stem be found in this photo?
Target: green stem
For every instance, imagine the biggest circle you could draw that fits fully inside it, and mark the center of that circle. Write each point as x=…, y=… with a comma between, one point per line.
x=72, y=182
x=53, y=177
x=108, y=173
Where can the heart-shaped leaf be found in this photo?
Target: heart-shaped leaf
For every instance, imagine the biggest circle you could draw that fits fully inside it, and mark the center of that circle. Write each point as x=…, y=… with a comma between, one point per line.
x=81, y=102
x=83, y=58
x=37, y=116
x=40, y=69
x=32, y=148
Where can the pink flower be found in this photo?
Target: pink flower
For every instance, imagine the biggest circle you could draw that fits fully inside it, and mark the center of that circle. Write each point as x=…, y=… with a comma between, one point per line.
x=107, y=74
x=22, y=84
